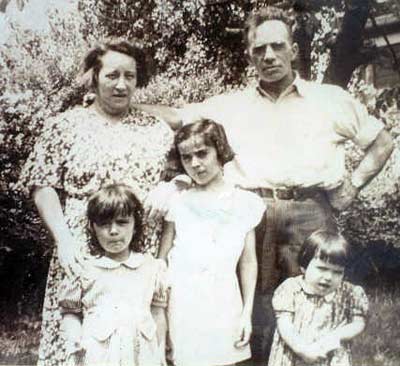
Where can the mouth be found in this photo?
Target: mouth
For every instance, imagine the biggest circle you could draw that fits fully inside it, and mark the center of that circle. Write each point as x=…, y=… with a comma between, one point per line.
x=324, y=286
x=272, y=68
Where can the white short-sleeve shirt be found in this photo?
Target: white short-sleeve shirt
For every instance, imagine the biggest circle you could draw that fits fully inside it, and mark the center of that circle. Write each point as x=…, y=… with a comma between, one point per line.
x=296, y=140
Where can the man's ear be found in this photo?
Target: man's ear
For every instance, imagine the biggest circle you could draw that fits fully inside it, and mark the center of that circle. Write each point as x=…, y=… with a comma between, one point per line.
x=295, y=50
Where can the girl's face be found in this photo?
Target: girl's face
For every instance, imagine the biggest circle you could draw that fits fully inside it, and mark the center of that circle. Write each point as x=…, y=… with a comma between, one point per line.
x=323, y=277
x=200, y=161
x=115, y=236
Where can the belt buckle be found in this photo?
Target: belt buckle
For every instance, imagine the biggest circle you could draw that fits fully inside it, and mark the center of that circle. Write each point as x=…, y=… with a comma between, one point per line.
x=284, y=193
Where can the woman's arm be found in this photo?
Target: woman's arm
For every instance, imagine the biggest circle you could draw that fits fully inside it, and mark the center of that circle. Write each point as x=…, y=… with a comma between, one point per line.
x=166, y=113
x=248, y=279
x=49, y=207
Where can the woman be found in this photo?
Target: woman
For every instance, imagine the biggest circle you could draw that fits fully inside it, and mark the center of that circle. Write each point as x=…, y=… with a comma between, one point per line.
x=86, y=148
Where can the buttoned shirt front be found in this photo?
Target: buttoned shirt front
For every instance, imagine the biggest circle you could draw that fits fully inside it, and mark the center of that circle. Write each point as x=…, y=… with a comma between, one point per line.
x=294, y=141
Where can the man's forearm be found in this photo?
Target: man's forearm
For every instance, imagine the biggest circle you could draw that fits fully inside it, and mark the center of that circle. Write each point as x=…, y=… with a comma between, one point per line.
x=166, y=113
x=374, y=159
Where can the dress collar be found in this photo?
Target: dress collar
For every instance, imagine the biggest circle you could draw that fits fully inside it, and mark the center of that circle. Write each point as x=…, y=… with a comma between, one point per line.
x=134, y=261
x=327, y=298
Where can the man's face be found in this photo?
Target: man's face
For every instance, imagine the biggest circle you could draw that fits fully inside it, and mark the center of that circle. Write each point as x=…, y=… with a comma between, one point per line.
x=271, y=51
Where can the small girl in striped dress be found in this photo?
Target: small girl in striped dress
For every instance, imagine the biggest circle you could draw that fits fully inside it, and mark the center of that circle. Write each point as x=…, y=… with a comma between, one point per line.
x=318, y=314
x=111, y=307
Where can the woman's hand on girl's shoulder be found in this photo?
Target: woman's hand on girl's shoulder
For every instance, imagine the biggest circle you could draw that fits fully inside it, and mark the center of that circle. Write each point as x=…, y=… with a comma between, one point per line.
x=157, y=201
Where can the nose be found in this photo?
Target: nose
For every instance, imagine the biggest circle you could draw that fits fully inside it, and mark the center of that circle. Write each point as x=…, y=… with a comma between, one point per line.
x=195, y=162
x=113, y=230
x=269, y=53
x=328, y=275
x=121, y=85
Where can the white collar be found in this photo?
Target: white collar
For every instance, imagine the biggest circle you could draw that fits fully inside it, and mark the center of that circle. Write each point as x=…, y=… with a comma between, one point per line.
x=134, y=261
x=306, y=289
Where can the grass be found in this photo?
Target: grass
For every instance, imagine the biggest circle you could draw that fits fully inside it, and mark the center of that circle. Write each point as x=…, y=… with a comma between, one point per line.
x=379, y=345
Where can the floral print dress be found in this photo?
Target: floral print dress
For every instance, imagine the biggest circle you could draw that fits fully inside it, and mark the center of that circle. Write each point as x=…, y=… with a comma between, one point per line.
x=77, y=153
x=313, y=317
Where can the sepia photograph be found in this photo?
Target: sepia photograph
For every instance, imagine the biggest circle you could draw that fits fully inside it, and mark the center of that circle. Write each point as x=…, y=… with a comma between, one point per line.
x=200, y=182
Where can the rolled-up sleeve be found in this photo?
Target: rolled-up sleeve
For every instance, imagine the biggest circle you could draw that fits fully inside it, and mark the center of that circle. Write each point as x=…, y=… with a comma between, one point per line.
x=354, y=122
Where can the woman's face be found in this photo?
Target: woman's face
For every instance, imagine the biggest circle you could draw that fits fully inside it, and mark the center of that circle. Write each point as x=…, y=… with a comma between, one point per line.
x=116, y=82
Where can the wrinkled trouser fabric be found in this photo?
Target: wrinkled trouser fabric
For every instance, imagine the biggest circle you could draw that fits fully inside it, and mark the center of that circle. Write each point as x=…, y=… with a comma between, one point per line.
x=284, y=227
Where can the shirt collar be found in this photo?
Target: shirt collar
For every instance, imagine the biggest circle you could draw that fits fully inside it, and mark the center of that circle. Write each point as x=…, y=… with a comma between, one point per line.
x=134, y=261
x=327, y=298
x=298, y=85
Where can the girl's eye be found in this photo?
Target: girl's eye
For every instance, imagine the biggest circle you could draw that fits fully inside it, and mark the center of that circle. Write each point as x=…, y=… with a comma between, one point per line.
x=185, y=157
x=130, y=76
x=122, y=222
x=202, y=154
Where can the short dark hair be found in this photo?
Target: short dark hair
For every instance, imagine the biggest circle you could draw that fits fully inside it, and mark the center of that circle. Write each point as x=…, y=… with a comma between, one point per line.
x=262, y=15
x=109, y=203
x=92, y=60
x=329, y=246
x=213, y=134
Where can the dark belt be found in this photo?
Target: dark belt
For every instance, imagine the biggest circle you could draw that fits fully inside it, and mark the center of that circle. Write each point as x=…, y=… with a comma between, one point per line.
x=296, y=194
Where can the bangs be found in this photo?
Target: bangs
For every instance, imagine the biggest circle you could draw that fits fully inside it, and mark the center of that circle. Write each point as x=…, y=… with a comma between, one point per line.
x=336, y=255
x=109, y=211
x=107, y=207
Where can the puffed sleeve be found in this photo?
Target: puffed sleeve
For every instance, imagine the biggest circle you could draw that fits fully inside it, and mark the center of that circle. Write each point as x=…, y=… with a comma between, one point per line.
x=70, y=295
x=253, y=208
x=360, y=306
x=173, y=207
x=283, y=300
x=353, y=120
x=44, y=166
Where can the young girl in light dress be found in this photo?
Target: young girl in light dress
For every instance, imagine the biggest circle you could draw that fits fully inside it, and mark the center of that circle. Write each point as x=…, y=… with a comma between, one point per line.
x=208, y=243
x=108, y=307
x=318, y=313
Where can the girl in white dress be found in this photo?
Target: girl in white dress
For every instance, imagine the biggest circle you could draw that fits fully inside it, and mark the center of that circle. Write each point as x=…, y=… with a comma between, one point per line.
x=208, y=243
x=108, y=307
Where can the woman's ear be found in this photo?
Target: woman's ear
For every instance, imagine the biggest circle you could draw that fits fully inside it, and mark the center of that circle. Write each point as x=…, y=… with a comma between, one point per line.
x=302, y=270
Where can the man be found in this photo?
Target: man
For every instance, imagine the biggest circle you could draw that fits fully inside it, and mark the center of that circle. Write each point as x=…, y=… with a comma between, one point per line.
x=288, y=135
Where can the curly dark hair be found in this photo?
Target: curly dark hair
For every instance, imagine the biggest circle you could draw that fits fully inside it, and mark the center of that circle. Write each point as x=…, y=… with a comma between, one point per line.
x=329, y=246
x=106, y=205
x=213, y=134
x=260, y=16
x=92, y=60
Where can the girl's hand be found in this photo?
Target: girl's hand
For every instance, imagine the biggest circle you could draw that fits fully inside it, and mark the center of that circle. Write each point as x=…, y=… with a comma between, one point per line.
x=245, y=330
x=328, y=343
x=313, y=353
x=77, y=356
